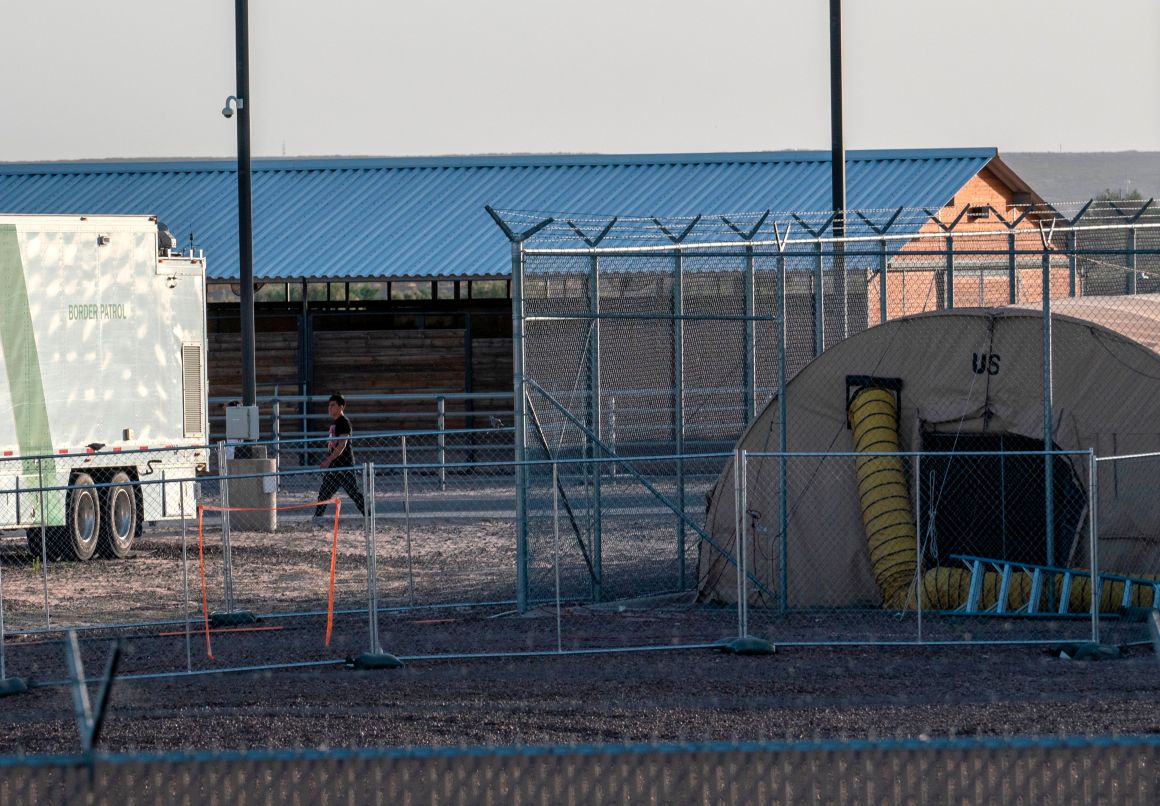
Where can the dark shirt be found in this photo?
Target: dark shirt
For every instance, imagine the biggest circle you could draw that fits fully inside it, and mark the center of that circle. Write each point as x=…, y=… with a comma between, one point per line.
x=339, y=429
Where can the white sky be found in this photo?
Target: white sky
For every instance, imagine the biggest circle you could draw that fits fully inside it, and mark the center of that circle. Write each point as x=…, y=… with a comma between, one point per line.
x=147, y=78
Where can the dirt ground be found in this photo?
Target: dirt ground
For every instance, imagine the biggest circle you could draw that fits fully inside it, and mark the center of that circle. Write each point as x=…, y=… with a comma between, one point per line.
x=570, y=698
x=486, y=675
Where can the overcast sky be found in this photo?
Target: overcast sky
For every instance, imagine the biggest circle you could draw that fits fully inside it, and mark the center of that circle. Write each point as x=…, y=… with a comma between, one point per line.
x=147, y=78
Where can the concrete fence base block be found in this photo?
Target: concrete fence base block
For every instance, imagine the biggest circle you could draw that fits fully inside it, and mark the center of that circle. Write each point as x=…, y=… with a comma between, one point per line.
x=13, y=685
x=257, y=492
x=747, y=645
x=375, y=660
x=235, y=618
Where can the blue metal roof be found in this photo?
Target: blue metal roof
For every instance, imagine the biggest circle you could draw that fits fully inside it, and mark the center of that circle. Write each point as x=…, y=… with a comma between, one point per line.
x=348, y=218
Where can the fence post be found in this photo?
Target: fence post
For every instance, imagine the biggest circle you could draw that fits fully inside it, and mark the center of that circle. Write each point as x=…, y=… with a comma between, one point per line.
x=744, y=544
x=882, y=273
x=407, y=523
x=750, y=380
x=44, y=539
x=594, y=389
x=918, y=525
x=556, y=549
x=372, y=559
x=612, y=471
x=520, y=426
x=1130, y=237
x=1072, y=285
x=950, y=290
x=1094, y=541
x=739, y=503
x=819, y=302
x=185, y=582
x=1012, y=271
x=227, y=570
x=231, y=615
x=679, y=403
x=441, y=423
x=782, y=430
x=374, y=657
x=1048, y=436
x=276, y=423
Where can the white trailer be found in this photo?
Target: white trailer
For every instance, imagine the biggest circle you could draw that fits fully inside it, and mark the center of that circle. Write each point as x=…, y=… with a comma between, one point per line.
x=103, y=385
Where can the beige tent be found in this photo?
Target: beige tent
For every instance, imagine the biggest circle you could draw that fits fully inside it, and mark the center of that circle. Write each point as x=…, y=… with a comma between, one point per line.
x=978, y=374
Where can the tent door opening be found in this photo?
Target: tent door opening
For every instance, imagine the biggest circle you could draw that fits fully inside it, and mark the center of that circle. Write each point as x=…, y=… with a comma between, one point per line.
x=994, y=506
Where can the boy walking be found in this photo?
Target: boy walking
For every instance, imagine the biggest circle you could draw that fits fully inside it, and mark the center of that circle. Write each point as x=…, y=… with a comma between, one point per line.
x=338, y=454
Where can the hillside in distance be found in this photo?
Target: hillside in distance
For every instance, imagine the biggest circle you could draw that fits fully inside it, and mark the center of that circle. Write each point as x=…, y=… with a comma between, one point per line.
x=1078, y=176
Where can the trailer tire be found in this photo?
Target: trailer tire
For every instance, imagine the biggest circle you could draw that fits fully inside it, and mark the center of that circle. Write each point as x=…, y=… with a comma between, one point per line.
x=83, y=525
x=119, y=511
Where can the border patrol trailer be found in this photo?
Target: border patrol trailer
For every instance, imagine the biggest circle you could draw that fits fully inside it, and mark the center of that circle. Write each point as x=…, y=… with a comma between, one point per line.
x=103, y=383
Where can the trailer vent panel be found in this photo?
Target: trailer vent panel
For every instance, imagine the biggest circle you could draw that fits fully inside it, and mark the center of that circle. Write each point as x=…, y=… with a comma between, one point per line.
x=193, y=395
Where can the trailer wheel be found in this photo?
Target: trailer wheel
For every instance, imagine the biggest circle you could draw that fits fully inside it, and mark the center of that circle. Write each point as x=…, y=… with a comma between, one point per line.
x=83, y=528
x=118, y=515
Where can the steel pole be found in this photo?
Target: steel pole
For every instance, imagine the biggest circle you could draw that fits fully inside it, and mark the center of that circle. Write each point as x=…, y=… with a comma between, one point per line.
x=950, y=282
x=1048, y=436
x=918, y=526
x=520, y=426
x=743, y=569
x=407, y=521
x=1094, y=541
x=679, y=403
x=44, y=539
x=594, y=388
x=838, y=164
x=1012, y=279
x=749, y=383
x=738, y=545
x=245, y=216
x=185, y=583
x=837, y=145
x=783, y=441
x=819, y=303
x=372, y=562
x=1072, y=284
x=227, y=555
x=1130, y=245
x=882, y=272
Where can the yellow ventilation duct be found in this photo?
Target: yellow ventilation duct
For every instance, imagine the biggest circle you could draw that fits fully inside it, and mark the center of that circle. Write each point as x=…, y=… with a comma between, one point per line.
x=891, y=535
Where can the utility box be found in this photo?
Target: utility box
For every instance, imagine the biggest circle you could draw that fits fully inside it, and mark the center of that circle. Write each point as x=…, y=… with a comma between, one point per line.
x=241, y=423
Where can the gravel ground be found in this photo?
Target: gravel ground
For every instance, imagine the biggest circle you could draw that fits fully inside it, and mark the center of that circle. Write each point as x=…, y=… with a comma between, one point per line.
x=672, y=695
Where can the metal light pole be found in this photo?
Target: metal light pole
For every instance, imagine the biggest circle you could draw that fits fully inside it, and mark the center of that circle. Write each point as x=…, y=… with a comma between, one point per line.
x=241, y=102
x=837, y=161
x=837, y=148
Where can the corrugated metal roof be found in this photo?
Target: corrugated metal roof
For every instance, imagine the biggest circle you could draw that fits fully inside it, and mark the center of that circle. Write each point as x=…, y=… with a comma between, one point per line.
x=344, y=218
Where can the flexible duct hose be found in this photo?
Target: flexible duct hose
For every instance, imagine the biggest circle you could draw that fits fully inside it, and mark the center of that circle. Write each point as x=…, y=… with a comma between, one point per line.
x=888, y=519
x=887, y=516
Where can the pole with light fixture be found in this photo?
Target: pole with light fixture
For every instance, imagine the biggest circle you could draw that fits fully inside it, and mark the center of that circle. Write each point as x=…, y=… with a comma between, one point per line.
x=242, y=421
x=838, y=169
x=241, y=104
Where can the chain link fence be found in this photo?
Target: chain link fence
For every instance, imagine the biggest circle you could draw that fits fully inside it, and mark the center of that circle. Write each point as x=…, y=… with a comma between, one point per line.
x=642, y=337
x=1121, y=770
x=250, y=578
